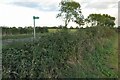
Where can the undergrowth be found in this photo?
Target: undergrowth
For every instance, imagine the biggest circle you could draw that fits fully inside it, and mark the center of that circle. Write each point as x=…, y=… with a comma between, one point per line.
x=62, y=55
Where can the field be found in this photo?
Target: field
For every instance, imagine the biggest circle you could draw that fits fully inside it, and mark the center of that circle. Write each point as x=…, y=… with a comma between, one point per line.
x=21, y=36
x=66, y=53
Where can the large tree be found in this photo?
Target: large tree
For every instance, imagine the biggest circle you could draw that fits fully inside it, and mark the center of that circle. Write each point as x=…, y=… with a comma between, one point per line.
x=70, y=11
x=101, y=19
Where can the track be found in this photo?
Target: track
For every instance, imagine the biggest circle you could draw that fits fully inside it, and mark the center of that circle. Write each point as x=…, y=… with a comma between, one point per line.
x=9, y=41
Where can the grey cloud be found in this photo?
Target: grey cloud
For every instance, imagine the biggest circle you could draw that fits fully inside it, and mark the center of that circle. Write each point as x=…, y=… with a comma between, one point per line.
x=49, y=8
x=100, y=5
x=27, y=4
x=115, y=6
x=37, y=5
x=119, y=4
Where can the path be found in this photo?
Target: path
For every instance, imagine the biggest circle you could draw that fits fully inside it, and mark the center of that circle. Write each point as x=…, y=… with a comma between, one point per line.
x=9, y=41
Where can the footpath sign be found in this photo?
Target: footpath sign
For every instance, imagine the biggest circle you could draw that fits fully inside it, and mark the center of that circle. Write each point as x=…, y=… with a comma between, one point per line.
x=34, y=17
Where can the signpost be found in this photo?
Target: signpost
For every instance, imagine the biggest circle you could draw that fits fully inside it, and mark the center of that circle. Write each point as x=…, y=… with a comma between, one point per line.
x=34, y=25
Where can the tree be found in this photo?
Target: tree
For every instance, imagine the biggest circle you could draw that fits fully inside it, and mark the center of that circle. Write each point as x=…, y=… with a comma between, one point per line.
x=78, y=16
x=93, y=19
x=70, y=10
x=79, y=20
x=87, y=21
x=100, y=20
x=71, y=27
x=108, y=20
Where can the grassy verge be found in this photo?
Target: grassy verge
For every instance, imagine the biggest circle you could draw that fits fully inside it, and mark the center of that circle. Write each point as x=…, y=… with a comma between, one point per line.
x=98, y=58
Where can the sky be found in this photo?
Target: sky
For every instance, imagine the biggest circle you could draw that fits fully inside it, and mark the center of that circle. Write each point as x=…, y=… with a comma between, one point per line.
x=20, y=13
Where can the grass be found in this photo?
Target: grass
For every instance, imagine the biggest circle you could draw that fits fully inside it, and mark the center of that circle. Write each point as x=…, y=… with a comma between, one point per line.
x=113, y=59
x=56, y=30
x=53, y=30
x=102, y=62
x=119, y=52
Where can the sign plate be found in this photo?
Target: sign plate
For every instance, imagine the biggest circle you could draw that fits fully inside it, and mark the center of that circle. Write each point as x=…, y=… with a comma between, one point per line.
x=35, y=17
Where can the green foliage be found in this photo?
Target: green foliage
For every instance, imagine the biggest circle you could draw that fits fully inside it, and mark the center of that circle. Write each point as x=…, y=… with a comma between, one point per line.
x=101, y=19
x=61, y=55
x=70, y=10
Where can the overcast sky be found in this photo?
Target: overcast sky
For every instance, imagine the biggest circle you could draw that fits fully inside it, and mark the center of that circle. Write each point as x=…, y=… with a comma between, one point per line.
x=20, y=12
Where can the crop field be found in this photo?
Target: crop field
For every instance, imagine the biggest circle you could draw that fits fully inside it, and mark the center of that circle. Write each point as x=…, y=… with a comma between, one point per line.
x=79, y=53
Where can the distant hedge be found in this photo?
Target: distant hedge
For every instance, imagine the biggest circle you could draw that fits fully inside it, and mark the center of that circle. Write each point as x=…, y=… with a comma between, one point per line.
x=21, y=30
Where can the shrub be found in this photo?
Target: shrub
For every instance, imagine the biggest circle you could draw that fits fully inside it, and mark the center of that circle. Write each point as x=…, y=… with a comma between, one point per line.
x=59, y=55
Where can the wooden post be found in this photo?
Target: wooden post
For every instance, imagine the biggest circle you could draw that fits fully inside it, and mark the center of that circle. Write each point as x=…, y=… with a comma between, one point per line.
x=34, y=26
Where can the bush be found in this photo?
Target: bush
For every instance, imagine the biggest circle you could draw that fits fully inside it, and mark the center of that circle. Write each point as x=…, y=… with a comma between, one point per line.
x=61, y=54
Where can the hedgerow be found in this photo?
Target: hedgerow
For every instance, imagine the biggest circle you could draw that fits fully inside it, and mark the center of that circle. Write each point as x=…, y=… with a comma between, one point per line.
x=60, y=55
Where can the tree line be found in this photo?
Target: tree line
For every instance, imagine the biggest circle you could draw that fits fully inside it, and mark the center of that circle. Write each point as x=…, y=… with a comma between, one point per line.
x=70, y=10
x=21, y=30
